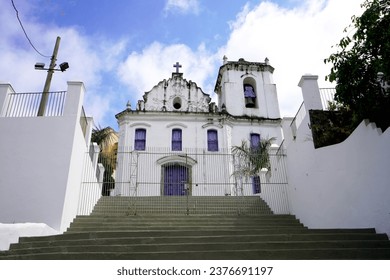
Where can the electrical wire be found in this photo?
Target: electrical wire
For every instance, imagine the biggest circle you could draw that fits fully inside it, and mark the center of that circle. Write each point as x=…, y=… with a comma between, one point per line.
x=25, y=33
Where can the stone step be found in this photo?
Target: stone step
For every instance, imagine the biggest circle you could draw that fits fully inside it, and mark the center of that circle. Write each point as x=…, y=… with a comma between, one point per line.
x=182, y=201
x=282, y=254
x=193, y=205
x=294, y=239
x=187, y=218
x=197, y=232
x=179, y=198
x=180, y=206
x=175, y=212
x=158, y=224
x=161, y=228
x=190, y=205
x=108, y=247
x=275, y=234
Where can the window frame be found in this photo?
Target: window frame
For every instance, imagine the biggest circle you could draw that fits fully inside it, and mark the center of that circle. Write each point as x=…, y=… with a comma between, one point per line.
x=212, y=144
x=177, y=144
x=140, y=142
x=252, y=135
x=250, y=100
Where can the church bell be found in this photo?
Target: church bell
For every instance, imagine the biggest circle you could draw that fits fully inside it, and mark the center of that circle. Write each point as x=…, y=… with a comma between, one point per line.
x=250, y=102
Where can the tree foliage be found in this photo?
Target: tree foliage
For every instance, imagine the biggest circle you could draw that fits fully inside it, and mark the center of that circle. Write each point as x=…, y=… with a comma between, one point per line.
x=107, y=139
x=252, y=160
x=358, y=61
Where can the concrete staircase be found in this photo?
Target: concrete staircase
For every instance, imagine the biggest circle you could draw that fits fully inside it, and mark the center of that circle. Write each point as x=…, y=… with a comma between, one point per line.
x=151, y=228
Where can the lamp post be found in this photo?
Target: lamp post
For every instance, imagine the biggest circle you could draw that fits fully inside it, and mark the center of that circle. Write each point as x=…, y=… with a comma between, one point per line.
x=46, y=89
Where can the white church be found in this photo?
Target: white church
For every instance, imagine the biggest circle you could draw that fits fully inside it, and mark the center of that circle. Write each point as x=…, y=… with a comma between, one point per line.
x=177, y=141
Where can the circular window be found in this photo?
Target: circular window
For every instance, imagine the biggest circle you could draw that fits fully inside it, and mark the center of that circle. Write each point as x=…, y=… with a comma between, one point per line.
x=177, y=103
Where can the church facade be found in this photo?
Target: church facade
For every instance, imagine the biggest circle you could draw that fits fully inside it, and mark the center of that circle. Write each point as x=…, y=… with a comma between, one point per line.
x=177, y=141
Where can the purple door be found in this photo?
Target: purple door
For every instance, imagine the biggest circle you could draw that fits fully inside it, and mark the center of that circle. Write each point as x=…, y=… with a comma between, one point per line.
x=256, y=184
x=175, y=179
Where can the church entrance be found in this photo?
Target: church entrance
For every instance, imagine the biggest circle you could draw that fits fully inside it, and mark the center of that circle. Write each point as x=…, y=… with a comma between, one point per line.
x=175, y=180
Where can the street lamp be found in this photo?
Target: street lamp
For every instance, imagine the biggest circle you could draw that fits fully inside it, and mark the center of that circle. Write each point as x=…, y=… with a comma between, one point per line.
x=41, y=66
x=64, y=66
x=50, y=71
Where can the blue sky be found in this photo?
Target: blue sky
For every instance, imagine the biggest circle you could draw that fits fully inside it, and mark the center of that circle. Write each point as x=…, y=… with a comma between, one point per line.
x=121, y=49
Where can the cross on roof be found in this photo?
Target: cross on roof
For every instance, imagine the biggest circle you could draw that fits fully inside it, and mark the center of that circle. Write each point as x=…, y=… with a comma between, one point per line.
x=177, y=66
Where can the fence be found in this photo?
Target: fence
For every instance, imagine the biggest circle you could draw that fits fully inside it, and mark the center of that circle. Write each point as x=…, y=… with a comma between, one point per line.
x=27, y=104
x=296, y=122
x=92, y=182
x=327, y=95
x=192, y=172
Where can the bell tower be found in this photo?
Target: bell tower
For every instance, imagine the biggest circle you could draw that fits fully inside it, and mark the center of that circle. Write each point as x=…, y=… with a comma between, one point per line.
x=247, y=89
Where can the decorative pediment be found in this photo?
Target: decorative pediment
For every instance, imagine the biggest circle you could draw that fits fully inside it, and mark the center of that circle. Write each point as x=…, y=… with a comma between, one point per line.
x=176, y=95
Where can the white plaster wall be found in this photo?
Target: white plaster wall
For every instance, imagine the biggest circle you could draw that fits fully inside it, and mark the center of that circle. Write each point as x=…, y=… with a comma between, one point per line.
x=194, y=130
x=242, y=131
x=35, y=158
x=40, y=162
x=344, y=185
x=232, y=94
x=73, y=185
x=159, y=130
x=194, y=127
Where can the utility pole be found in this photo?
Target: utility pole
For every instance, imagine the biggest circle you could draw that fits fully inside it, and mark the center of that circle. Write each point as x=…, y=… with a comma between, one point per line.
x=46, y=89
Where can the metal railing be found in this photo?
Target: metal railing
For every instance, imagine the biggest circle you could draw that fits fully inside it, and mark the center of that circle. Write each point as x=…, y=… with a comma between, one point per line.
x=27, y=104
x=159, y=172
x=327, y=95
x=296, y=122
x=92, y=183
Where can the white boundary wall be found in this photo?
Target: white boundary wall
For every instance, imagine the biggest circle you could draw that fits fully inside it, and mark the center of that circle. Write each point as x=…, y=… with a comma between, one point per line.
x=346, y=185
x=41, y=163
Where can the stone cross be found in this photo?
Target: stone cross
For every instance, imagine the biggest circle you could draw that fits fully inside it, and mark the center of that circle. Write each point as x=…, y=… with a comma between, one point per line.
x=177, y=66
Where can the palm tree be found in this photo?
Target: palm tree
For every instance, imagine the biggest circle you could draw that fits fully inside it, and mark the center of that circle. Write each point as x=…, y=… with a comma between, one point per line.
x=107, y=139
x=251, y=160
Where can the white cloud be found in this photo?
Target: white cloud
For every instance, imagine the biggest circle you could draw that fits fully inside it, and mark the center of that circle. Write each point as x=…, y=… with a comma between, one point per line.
x=182, y=6
x=295, y=40
x=142, y=71
x=89, y=59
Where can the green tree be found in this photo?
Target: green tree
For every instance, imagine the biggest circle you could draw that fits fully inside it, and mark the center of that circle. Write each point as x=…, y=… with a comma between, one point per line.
x=358, y=61
x=107, y=139
x=252, y=159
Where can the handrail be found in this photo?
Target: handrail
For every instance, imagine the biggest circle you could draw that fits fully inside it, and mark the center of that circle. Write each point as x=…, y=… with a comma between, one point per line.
x=327, y=95
x=299, y=116
x=27, y=104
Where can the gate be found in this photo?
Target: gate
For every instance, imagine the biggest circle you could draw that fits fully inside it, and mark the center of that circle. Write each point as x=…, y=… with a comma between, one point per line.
x=162, y=173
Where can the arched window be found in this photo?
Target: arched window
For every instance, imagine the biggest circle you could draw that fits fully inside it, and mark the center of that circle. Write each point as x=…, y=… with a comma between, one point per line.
x=250, y=96
x=140, y=139
x=176, y=139
x=212, y=140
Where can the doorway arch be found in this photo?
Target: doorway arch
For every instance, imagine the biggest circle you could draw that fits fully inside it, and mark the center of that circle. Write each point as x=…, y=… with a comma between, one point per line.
x=176, y=175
